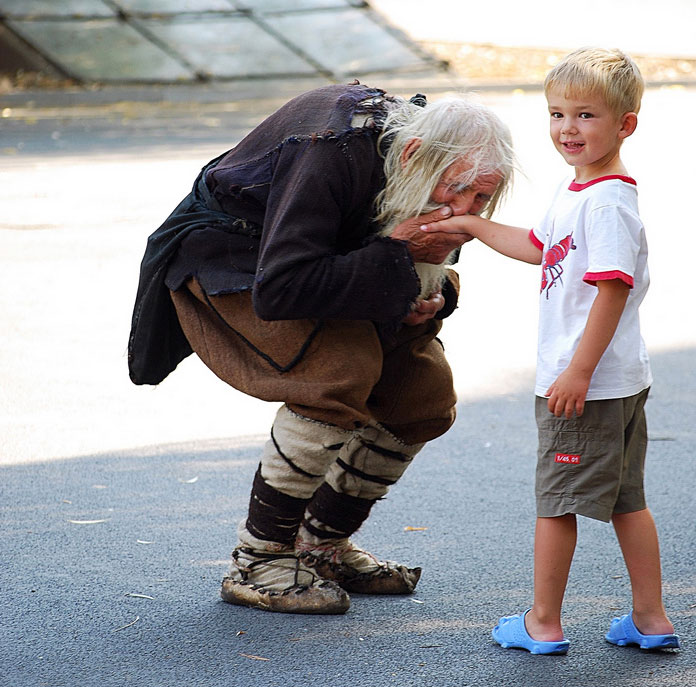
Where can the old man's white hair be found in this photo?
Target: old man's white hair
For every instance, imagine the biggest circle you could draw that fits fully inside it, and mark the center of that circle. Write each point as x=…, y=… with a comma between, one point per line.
x=450, y=129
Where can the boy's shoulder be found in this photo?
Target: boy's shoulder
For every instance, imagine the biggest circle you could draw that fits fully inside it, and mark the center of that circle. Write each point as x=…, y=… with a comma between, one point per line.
x=613, y=190
x=578, y=207
x=605, y=184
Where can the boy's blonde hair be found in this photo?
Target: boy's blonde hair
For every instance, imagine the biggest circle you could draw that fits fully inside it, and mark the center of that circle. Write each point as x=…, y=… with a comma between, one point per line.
x=609, y=74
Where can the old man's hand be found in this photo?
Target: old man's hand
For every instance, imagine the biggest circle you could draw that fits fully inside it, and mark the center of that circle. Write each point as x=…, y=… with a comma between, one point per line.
x=432, y=246
x=425, y=309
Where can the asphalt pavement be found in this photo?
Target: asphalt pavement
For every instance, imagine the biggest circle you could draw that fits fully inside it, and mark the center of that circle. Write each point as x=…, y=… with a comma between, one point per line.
x=112, y=565
x=119, y=504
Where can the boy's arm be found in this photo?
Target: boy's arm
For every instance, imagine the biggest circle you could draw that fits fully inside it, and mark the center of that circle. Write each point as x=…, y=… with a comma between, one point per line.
x=514, y=242
x=568, y=392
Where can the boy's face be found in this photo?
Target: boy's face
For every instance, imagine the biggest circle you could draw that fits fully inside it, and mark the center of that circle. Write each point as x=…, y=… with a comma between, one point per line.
x=587, y=134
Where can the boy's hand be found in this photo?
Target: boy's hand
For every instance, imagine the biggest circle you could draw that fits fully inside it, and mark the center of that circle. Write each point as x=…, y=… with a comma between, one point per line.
x=568, y=393
x=461, y=225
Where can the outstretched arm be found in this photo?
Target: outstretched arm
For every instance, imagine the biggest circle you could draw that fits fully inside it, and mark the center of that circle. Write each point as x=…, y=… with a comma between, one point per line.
x=568, y=392
x=510, y=241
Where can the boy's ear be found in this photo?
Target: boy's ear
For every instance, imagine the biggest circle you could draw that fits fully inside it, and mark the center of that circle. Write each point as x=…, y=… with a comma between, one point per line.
x=629, y=122
x=410, y=148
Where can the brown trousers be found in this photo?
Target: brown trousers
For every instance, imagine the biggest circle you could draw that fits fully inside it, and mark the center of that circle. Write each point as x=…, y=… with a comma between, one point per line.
x=335, y=371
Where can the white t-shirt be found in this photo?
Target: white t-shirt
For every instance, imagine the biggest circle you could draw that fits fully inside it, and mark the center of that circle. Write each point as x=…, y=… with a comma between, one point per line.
x=592, y=232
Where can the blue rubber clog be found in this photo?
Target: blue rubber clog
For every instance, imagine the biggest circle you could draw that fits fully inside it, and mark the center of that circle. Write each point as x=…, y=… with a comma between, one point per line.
x=511, y=633
x=623, y=631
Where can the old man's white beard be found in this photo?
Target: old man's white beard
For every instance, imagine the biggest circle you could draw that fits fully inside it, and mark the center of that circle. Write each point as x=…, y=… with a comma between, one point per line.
x=432, y=277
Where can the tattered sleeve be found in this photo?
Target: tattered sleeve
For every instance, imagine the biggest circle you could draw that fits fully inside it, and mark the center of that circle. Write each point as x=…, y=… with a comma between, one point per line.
x=313, y=263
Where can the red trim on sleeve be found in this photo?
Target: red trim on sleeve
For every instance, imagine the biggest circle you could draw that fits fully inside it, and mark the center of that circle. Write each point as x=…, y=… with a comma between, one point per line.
x=592, y=278
x=574, y=186
x=535, y=240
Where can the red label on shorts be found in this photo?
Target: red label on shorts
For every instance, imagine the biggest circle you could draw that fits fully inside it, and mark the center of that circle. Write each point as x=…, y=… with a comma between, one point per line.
x=571, y=458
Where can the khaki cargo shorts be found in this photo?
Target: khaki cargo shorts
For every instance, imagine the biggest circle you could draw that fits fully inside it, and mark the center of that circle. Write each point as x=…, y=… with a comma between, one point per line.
x=592, y=465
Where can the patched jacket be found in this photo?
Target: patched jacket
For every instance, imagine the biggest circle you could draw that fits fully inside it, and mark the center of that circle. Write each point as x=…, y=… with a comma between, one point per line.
x=286, y=213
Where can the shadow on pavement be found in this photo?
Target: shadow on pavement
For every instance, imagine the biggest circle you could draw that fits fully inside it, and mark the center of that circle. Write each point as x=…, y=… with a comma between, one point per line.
x=112, y=565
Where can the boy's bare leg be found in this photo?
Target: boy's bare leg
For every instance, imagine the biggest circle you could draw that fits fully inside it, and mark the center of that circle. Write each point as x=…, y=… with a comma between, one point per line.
x=554, y=546
x=637, y=537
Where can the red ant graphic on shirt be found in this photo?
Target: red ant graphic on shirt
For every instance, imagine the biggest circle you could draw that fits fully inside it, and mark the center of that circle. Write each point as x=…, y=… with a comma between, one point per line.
x=551, y=268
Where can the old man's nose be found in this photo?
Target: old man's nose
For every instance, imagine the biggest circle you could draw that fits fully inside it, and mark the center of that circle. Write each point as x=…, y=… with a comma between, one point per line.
x=462, y=203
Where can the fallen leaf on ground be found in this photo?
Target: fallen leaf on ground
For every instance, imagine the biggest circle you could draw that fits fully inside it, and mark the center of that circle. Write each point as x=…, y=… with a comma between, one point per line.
x=118, y=629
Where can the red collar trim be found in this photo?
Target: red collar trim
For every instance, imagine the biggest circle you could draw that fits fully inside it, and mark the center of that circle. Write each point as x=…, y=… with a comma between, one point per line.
x=574, y=186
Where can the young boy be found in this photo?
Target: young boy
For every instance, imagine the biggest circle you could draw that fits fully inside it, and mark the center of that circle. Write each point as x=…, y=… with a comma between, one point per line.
x=593, y=372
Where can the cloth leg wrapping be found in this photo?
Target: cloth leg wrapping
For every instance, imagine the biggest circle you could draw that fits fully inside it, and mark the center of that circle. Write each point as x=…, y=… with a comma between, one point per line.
x=342, y=513
x=273, y=516
x=293, y=465
x=366, y=467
